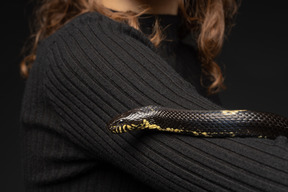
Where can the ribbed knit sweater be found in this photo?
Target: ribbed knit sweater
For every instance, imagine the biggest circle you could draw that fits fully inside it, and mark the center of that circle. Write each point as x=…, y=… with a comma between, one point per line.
x=94, y=68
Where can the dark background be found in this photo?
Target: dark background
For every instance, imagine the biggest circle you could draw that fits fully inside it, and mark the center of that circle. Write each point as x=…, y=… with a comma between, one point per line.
x=255, y=56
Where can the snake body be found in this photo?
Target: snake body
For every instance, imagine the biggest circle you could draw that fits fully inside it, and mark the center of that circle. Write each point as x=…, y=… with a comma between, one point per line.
x=205, y=123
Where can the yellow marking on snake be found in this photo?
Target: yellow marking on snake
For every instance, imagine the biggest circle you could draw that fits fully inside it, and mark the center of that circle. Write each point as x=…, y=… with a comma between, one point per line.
x=204, y=134
x=129, y=127
x=115, y=129
x=231, y=112
x=195, y=133
x=120, y=129
x=232, y=134
x=145, y=124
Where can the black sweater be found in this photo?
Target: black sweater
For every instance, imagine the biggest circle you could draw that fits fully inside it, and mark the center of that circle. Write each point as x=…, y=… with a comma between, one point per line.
x=94, y=68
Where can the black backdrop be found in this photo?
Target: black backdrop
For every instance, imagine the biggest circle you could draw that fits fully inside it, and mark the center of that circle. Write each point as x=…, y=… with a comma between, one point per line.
x=255, y=56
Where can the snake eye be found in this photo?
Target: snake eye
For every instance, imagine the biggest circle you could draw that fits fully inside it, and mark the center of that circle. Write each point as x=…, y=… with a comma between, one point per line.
x=120, y=121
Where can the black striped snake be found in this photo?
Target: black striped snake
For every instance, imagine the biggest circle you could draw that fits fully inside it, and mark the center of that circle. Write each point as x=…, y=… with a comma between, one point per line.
x=205, y=123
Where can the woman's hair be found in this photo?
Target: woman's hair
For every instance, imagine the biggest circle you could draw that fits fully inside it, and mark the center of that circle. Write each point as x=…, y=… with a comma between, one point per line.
x=207, y=20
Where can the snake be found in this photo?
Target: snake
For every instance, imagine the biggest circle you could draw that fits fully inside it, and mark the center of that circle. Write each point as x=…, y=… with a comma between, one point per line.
x=201, y=123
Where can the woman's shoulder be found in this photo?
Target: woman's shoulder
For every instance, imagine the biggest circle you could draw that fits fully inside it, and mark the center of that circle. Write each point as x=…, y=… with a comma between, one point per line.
x=76, y=24
x=95, y=24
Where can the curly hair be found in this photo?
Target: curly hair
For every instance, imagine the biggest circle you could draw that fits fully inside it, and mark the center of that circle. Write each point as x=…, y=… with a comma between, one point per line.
x=207, y=20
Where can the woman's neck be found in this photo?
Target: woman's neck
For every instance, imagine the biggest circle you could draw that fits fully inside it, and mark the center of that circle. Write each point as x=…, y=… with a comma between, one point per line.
x=156, y=6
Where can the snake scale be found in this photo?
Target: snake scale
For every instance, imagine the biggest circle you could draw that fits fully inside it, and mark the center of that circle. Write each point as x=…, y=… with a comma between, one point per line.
x=205, y=123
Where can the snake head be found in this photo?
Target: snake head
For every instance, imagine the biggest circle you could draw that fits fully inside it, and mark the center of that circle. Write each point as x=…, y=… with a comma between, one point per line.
x=130, y=120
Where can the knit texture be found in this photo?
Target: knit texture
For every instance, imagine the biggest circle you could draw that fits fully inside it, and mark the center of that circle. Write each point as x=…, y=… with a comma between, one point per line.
x=94, y=68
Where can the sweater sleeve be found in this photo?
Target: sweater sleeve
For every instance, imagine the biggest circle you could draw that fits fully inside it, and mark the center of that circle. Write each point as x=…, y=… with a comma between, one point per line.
x=98, y=68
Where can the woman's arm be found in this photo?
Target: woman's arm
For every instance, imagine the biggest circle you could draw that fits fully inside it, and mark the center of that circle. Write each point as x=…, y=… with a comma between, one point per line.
x=98, y=68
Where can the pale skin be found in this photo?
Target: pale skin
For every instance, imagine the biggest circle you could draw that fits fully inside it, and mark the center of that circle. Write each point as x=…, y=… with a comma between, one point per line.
x=169, y=7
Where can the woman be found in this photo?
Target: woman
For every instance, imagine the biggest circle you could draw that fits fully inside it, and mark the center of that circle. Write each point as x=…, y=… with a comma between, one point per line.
x=96, y=59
